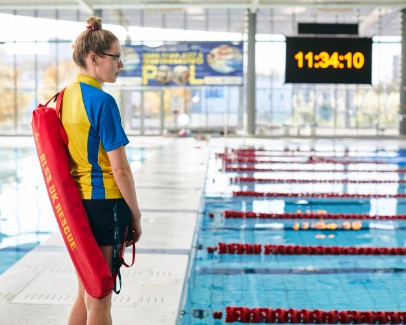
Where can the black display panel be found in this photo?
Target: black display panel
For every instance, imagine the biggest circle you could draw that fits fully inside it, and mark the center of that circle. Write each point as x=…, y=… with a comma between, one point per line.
x=328, y=60
x=331, y=29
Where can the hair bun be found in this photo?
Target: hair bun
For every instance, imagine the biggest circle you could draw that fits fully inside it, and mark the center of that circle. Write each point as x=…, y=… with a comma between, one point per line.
x=94, y=22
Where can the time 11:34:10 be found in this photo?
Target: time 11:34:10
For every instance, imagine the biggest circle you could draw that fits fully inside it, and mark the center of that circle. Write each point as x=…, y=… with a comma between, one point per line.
x=324, y=60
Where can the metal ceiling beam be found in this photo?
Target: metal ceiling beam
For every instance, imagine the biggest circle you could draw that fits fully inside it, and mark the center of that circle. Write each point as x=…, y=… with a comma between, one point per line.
x=85, y=6
x=284, y=4
x=121, y=19
x=254, y=5
x=88, y=6
x=372, y=17
x=38, y=7
x=260, y=4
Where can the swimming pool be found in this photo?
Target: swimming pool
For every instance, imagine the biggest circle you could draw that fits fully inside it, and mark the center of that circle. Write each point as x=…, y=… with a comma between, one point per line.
x=327, y=282
x=26, y=217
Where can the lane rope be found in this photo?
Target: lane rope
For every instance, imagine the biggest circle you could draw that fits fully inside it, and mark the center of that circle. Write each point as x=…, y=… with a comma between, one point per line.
x=230, y=214
x=294, y=154
x=310, y=161
x=316, y=195
x=307, y=316
x=345, y=170
x=270, y=249
x=300, y=150
x=236, y=180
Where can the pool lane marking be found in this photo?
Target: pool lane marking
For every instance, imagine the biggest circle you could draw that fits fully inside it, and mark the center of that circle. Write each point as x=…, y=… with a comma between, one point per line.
x=297, y=271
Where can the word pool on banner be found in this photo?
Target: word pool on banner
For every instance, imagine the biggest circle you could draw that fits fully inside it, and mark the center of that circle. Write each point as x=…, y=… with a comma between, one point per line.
x=184, y=64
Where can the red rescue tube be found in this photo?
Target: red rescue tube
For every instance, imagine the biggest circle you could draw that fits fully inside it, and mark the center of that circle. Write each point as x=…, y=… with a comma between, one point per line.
x=51, y=142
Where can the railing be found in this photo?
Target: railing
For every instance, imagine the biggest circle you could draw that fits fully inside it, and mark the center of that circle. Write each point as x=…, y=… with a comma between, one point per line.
x=284, y=111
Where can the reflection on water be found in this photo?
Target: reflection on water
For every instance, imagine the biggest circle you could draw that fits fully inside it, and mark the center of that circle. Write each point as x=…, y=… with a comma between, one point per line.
x=26, y=217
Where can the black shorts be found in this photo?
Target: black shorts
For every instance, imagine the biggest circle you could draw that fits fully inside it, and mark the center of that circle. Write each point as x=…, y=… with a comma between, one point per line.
x=101, y=218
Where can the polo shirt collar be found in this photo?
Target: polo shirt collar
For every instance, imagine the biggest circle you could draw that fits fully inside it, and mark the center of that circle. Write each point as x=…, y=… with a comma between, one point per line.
x=88, y=80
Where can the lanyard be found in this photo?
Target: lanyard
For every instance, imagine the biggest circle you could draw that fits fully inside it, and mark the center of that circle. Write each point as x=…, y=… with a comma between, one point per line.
x=118, y=259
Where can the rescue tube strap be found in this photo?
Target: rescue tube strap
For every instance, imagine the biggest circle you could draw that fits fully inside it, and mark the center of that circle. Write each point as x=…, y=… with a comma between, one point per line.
x=133, y=246
x=117, y=259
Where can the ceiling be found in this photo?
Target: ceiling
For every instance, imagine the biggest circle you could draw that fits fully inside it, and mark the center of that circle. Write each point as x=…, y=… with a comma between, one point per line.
x=90, y=5
x=375, y=17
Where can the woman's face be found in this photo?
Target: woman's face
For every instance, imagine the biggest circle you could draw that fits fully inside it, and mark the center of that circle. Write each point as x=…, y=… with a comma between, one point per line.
x=108, y=67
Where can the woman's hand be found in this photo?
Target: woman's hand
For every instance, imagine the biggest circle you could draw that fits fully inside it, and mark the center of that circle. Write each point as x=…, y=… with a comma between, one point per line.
x=136, y=228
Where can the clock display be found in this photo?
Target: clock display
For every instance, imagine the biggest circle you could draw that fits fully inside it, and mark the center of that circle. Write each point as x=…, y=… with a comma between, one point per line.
x=328, y=60
x=324, y=60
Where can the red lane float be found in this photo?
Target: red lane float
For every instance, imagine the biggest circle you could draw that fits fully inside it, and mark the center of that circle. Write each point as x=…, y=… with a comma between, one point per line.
x=217, y=315
x=258, y=170
x=269, y=249
x=254, y=215
x=307, y=316
x=317, y=195
x=319, y=154
x=300, y=181
x=296, y=150
x=236, y=248
x=310, y=161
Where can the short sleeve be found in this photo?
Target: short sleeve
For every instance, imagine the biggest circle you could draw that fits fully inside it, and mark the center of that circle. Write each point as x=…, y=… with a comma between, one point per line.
x=108, y=125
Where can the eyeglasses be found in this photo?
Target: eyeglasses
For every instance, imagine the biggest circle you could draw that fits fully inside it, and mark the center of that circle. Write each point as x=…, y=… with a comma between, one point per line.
x=116, y=57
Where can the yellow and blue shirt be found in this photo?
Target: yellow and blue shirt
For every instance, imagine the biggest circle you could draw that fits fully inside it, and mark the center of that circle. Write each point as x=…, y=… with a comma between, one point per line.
x=92, y=121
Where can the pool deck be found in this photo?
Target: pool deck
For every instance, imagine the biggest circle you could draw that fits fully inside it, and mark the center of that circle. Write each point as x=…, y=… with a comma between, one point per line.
x=40, y=288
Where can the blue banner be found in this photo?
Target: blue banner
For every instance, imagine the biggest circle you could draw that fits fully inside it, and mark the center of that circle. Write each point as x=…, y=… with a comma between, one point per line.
x=184, y=64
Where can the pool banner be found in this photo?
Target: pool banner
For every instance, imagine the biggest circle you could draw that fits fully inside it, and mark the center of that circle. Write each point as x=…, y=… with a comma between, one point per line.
x=183, y=64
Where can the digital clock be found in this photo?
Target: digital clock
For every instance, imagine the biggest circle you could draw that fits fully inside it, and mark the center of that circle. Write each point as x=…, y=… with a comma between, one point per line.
x=328, y=60
x=324, y=60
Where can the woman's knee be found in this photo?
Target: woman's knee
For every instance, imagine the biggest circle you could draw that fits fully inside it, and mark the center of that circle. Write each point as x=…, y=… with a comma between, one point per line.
x=93, y=304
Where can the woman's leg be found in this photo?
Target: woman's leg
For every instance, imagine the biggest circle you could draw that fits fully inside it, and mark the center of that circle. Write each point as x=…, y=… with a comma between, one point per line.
x=98, y=310
x=78, y=314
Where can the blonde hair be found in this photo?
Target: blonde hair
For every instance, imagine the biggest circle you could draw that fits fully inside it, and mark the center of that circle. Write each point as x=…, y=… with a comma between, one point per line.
x=93, y=39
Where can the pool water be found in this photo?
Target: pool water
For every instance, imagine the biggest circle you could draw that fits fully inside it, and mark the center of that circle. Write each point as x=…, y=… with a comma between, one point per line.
x=299, y=281
x=26, y=216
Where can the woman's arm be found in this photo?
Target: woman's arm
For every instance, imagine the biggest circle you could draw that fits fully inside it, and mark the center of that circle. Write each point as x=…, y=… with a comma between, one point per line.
x=125, y=182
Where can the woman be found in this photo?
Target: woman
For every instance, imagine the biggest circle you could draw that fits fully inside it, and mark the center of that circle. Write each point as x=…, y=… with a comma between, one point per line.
x=97, y=157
